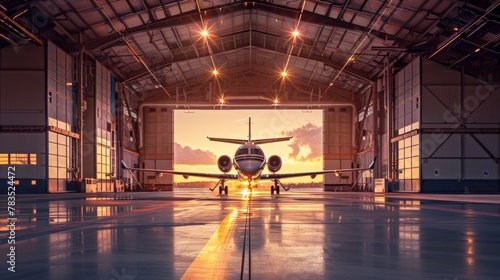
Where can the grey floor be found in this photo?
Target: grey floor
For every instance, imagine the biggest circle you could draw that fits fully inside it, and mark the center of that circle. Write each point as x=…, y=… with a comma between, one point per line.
x=300, y=234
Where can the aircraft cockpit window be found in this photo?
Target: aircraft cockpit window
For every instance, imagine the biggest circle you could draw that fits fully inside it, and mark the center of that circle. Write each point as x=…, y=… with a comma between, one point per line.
x=242, y=152
x=256, y=152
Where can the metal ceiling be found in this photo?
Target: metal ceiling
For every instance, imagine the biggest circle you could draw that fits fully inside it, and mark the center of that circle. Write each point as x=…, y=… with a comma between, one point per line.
x=157, y=49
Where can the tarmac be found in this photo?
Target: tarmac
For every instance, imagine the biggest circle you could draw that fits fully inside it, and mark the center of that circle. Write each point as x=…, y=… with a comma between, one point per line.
x=299, y=234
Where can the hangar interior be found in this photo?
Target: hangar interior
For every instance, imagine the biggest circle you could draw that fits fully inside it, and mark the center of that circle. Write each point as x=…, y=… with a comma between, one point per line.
x=85, y=84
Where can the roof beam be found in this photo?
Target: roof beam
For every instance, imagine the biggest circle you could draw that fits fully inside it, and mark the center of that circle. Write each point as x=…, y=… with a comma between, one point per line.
x=114, y=39
x=216, y=50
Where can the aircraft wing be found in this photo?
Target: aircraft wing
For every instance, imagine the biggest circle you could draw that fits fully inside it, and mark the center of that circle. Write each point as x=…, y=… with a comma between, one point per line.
x=184, y=173
x=313, y=174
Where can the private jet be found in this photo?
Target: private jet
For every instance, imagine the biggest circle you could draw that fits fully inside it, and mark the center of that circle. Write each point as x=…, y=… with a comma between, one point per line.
x=249, y=162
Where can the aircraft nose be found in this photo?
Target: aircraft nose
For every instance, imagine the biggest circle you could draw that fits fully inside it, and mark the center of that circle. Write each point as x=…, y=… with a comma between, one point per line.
x=250, y=166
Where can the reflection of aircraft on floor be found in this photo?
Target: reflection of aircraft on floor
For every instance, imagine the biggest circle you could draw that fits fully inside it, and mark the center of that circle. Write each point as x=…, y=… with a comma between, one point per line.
x=249, y=162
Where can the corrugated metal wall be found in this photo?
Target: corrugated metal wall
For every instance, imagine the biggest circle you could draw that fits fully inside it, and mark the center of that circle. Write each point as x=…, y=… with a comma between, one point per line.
x=460, y=131
x=23, y=118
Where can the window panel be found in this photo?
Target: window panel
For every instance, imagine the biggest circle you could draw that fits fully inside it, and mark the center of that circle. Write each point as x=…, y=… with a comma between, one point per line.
x=52, y=148
x=61, y=139
x=407, y=142
x=52, y=160
x=407, y=162
x=415, y=173
x=4, y=158
x=62, y=150
x=33, y=159
x=415, y=150
x=407, y=152
x=52, y=172
x=52, y=122
x=19, y=159
x=62, y=161
x=52, y=137
x=62, y=173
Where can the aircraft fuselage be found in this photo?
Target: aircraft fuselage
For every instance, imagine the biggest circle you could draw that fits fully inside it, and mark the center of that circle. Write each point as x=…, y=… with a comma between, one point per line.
x=249, y=161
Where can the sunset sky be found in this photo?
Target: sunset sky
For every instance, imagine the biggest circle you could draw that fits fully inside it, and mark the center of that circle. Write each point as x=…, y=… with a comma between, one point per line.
x=194, y=152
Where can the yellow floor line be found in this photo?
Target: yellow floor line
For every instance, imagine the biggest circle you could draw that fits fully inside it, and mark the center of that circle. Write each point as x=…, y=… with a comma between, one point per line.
x=212, y=261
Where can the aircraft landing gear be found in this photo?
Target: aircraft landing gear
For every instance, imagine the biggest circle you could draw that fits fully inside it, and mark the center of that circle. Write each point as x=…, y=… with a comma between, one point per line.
x=222, y=187
x=276, y=187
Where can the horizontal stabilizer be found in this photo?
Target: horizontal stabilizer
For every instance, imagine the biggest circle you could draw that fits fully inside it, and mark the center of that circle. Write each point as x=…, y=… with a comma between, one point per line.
x=270, y=140
x=255, y=142
x=226, y=140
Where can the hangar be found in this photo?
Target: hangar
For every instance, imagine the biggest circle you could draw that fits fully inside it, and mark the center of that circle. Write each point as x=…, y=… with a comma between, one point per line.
x=414, y=83
x=86, y=84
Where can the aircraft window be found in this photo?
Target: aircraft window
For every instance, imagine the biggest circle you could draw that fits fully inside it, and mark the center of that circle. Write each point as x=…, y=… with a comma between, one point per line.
x=242, y=152
x=256, y=152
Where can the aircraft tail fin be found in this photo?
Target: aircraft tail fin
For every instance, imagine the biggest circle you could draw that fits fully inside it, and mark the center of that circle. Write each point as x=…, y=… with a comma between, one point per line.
x=249, y=130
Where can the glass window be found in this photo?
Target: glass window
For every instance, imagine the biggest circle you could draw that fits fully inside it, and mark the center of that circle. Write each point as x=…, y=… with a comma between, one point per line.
x=62, y=172
x=415, y=173
x=407, y=152
x=62, y=162
x=19, y=159
x=32, y=159
x=4, y=158
x=52, y=148
x=62, y=150
x=242, y=152
x=52, y=137
x=52, y=172
x=256, y=152
x=61, y=139
x=52, y=160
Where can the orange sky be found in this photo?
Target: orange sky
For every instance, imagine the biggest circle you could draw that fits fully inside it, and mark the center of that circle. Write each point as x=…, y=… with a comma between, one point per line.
x=194, y=152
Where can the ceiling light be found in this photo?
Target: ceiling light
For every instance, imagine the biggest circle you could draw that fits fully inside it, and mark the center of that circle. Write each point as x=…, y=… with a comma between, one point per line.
x=215, y=72
x=331, y=84
x=204, y=33
x=276, y=101
x=295, y=33
x=477, y=50
x=283, y=74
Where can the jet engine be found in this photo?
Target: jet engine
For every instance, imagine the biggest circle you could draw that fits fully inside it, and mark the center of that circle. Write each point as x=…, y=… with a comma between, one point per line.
x=274, y=163
x=224, y=163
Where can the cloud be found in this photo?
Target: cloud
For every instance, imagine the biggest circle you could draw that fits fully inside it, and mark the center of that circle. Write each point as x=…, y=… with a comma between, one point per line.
x=306, y=143
x=186, y=155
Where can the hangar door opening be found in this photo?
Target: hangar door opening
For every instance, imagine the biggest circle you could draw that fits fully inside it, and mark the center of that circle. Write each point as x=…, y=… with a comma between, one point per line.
x=194, y=152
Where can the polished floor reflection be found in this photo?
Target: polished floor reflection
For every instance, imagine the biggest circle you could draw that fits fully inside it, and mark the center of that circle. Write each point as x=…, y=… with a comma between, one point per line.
x=300, y=234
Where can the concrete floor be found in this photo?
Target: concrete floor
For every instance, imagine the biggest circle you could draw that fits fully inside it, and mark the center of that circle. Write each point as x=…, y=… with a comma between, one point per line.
x=300, y=234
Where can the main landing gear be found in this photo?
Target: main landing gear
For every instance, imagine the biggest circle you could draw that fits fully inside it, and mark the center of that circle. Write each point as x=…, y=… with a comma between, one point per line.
x=222, y=187
x=276, y=187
